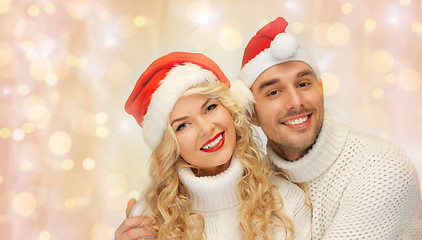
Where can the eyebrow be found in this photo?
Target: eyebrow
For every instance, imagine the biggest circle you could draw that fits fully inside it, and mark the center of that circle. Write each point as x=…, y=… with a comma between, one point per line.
x=183, y=118
x=305, y=73
x=274, y=81
x=268, y=83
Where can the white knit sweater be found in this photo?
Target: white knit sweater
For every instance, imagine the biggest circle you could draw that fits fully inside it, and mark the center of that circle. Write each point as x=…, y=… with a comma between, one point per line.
x=215, y=198
x=361, y=187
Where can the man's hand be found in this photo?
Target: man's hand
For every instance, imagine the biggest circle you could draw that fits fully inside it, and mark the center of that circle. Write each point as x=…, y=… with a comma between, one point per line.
x=135, y=227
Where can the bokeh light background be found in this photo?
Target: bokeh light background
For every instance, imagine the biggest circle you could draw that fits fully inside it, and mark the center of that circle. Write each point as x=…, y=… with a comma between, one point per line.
x=71, y=157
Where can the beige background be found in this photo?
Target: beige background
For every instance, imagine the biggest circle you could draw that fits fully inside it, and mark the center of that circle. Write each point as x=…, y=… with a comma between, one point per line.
x=71, y=157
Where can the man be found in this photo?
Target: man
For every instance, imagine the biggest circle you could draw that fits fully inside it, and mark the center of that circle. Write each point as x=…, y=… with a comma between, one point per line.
x=360, y=187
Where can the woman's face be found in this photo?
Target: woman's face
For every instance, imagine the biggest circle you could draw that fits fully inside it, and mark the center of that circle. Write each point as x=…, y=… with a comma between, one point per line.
x=205, y=132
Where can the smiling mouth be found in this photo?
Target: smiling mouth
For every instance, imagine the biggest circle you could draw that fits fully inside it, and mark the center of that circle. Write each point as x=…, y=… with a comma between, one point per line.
x=214, y=144
x=298, y=122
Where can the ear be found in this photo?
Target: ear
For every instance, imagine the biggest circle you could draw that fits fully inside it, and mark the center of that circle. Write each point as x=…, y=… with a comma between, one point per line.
x=254, y=119
x=321, y=87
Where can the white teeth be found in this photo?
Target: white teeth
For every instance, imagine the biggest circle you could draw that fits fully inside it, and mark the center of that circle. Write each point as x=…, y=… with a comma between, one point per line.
x=297, y=121
x=213, y=143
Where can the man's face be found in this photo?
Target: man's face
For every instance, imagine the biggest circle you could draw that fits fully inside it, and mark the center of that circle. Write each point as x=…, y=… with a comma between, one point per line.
x=289, y=107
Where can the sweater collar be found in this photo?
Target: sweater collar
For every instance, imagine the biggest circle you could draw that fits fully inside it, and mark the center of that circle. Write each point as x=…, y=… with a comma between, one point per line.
x=213, y=192
x=320, y=157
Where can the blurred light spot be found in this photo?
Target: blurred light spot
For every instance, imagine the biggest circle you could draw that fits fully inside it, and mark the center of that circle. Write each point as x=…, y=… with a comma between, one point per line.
x=50, y=9
x=5, y=54
x=33, y=11
x=382, y=61
x=60, y=143
x=115, y=184
x=409, y=79
x=32, y=55
x=338, y=34
x=111, y=41
x=298, y=27
x=1, y=179
x=370, y=25
x=79, y=9
x=88, y=164
x=37, y=113
x=347, y=8
x=133, y=194
x=28, y=127
x=81, y=63
x=378, y=93
x=70, y=203
x=105, y=16
x=101, y=117
x=27, y=45
x=405, y=2
x=102, y=131
x=125, y=27
x=5, y=132
x=4, y=6
x=44, y=235
x=23, y=89
x=390, y=78
x=417, y=27
x=320, y=34
x=140, y=21
x=40, y=69
x=51, y=79
x=18, y=135
x=101, y=231
x=200, y=13
x=26, y=165
x=67, y=164
x=6, y=91
x=24, y=204
x=331, y=84
x=230, y=39
x=119, y=73
x=71, y=60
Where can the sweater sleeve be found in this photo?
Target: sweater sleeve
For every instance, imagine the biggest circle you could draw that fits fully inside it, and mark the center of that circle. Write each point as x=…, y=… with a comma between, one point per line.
x=297, y=208
x=382, y=201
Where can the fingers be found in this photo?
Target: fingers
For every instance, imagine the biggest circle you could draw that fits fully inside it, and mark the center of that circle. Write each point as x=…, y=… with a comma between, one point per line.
x=130, y=205
x=135, y=228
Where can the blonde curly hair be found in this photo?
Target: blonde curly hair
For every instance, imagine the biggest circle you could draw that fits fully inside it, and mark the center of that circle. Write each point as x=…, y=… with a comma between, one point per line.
x=168, y=201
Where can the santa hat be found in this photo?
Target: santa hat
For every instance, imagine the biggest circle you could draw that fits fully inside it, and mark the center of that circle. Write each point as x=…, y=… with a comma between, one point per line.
x=161, y=85
x=270, y=46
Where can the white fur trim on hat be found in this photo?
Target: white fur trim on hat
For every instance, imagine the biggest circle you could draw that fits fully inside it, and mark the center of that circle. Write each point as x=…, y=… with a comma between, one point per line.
x=178, y=80
x=275, y=54
x=243, y=96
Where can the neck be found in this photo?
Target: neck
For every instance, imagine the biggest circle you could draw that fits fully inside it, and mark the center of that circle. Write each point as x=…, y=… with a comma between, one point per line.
x=288, y=154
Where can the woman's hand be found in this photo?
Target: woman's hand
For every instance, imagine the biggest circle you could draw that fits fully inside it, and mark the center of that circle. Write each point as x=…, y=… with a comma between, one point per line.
x=135, y=227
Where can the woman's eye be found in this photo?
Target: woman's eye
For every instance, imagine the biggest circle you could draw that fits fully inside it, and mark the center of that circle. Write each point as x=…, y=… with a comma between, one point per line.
x=210, y=107
x=181, y=126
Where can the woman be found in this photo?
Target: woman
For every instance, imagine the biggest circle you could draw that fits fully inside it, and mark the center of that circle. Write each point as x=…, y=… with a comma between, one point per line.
x=209, y=180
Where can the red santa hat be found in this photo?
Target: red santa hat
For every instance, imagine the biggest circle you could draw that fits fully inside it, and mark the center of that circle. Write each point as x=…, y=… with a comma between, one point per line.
x=162, y=84
x=270, y=46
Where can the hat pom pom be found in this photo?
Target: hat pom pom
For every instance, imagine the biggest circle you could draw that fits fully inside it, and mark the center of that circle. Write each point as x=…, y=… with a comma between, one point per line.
x=284, y=46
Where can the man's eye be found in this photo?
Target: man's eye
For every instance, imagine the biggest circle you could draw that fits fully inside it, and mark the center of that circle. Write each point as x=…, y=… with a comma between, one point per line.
x=304, y=84
x=273, y=93
x=181, y=126
x=210, y=107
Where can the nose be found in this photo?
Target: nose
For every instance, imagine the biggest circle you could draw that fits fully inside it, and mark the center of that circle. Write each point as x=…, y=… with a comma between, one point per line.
x=205, y=126
x=293, y=99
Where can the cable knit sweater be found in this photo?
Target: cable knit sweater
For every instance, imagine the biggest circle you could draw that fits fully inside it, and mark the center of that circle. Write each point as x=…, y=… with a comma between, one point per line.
x=361, y=187
x=215, y=198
